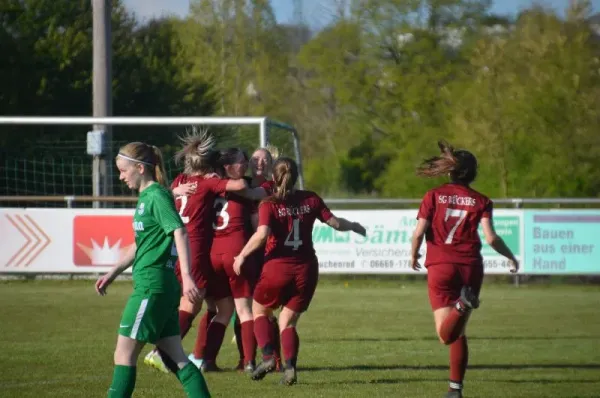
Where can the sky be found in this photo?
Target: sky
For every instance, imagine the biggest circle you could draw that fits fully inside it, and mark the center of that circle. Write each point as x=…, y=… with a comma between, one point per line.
x=314, y=12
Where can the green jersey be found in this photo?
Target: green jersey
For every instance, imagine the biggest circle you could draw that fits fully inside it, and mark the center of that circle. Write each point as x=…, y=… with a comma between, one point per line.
x=154, y=221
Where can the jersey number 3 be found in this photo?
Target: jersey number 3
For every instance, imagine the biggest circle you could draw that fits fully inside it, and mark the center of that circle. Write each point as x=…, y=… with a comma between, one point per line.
x=293, y=238
x=221, y=206
x=460, y=215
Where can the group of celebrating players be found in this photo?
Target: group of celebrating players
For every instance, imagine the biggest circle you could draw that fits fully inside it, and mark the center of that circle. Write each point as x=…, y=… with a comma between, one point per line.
x=245, y=245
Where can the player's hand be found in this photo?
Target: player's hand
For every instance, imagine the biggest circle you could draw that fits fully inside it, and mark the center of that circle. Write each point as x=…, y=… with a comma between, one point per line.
x=359, y=229
x=415, y=265
x=185, y=189
x=513, y=266
x=191, y=291
x=237, y=264
x=102, y=284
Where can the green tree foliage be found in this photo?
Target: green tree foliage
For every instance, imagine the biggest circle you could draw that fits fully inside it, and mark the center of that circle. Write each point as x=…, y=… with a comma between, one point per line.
x=370, y=93
x=46, y=69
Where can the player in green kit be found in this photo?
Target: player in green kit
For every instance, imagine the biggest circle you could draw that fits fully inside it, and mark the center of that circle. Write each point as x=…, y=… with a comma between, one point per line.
x=151, y=313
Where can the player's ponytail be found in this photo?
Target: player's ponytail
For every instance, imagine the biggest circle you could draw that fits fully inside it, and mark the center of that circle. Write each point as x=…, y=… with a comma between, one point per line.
x=148, y=155
x=285, y=175
x=461, y=165
x=160, y=173
x=197, y=154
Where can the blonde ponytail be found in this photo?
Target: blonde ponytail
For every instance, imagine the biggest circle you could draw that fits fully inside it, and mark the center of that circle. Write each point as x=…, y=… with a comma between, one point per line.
x=160, y=173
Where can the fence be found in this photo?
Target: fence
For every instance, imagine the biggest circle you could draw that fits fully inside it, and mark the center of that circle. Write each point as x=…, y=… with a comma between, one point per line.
x=75, y=240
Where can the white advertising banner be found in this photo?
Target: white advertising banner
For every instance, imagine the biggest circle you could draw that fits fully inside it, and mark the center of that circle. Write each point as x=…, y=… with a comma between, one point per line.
x=91, y=240
x=387, y=247
x=63, y=240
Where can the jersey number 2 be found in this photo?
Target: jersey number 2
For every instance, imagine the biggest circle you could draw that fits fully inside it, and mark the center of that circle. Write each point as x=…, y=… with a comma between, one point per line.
x=184, y=200
x=293, y=238
x=454, y=213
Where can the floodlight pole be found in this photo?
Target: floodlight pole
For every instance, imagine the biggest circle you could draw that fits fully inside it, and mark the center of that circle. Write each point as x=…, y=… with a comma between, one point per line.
x=102, y=95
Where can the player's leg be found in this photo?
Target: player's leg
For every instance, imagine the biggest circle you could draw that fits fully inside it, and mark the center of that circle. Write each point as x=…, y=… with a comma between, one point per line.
x=306, y=277
x=216, y=332
x=273, y=280
x=243, y=307
x=141, y=322
x=238, y=339
x=124, y=374
x=472, y=278
x=188, y=374
x=263, y=333
x=452, y=302
x=241, y=287
x=187, y=312
x=276, y=341
x=258, y=267
x=290, y=342
x=197, y=357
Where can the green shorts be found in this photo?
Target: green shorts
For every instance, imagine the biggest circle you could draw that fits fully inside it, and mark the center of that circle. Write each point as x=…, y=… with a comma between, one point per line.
x=149, y=317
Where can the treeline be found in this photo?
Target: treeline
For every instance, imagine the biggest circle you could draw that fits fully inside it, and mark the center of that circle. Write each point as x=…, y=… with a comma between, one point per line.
x=370, y=94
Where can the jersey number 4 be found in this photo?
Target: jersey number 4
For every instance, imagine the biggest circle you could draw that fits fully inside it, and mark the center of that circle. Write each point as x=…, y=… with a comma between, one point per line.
x=460, y=215
x=293, y=238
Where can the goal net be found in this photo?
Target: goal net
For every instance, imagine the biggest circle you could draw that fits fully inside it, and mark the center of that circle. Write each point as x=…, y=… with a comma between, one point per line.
x=44, y=159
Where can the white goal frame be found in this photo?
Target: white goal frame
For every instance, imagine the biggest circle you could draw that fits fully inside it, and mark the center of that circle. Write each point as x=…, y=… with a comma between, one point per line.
x=263, y=123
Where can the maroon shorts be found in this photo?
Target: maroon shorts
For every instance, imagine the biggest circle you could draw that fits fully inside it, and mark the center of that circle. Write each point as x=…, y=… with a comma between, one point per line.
x=200, y=268
x=287, y=283
x=445, y=281
x=226, y=282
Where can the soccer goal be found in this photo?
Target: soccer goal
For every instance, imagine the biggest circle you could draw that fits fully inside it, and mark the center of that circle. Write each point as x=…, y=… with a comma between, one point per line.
x=52, y=161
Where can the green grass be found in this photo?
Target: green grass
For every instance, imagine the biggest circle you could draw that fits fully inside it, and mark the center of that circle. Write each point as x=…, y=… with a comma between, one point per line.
x=364, y=340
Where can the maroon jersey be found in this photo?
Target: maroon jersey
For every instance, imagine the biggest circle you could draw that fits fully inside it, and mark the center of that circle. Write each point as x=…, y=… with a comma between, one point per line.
x=291, y=223
x=231, y=224
x=268, y=186
x=454, y=212
x=196, y=210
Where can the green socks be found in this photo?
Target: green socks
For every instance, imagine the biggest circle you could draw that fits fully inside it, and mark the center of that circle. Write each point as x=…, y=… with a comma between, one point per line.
x=123, y=382
x=190, y=377
x=193, y=382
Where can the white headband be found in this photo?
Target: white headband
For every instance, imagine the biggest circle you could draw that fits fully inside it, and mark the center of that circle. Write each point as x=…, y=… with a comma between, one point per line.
x=134, y=160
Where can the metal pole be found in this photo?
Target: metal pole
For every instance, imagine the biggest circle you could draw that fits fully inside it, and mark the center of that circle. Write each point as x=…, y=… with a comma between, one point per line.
x=298, y=158
x=297, y=153
x=264, y=133
x=516, y=277
x=102, y=94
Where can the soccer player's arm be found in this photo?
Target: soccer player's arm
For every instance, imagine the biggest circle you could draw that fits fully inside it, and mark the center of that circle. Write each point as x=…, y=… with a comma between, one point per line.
x=493, y=239
x=424, y=219
x=167, y=217
x=259, y=237
x=338, y=223
x=124, y=263
x=179, y=189
x=242, y=188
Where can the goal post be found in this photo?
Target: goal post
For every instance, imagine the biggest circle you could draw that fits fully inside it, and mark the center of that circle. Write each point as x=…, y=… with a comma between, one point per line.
x=269, y=131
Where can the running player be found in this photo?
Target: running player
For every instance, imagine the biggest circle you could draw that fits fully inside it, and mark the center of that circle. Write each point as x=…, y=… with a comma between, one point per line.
x=448, y=219
x=196, y=212
x=291, y=270
x=150, y=315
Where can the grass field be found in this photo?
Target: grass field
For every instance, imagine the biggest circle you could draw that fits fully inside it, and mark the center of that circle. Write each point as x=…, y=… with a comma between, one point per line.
x=363, y=340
